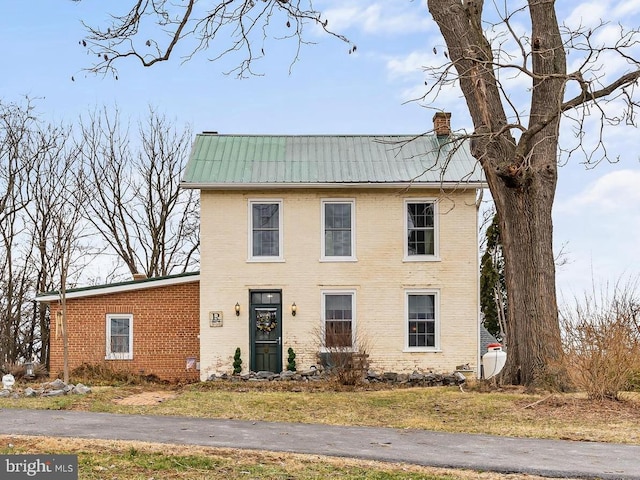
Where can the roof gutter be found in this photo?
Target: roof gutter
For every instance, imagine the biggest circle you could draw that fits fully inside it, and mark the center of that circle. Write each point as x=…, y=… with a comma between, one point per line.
x=121, y=287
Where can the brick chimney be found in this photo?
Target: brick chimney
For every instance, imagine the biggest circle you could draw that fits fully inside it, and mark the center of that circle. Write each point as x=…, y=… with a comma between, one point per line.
x=442, y=123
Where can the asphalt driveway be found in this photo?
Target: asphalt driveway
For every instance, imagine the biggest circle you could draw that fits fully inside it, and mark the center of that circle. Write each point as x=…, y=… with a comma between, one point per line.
x=551, y=458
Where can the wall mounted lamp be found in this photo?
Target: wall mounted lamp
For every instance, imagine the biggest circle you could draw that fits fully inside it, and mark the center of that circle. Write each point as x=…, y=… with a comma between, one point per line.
x=237, y=309
x=294, y=309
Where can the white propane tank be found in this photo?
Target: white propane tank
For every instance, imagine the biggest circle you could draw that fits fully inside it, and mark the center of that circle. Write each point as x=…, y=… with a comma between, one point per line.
x=494, y=360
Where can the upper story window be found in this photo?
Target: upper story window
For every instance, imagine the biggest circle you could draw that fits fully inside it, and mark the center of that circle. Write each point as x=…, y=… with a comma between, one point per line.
x=422, y=320
x=265, y=237
x=338, y=238
x=119, y=337
x=421, y=230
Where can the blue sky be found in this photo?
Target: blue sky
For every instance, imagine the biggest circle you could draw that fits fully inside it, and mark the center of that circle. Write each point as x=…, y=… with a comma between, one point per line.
x=328, y=90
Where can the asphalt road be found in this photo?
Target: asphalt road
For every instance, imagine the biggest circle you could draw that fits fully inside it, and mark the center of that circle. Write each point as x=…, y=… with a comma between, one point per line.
x=551, y=458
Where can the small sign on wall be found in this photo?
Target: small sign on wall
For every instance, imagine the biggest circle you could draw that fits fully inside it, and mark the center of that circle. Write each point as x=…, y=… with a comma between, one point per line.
x=215, y=319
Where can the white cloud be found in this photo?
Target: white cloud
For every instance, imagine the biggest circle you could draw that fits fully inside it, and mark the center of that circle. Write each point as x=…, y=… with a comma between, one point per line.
x=600, y=226
x=626, y=8
x=379, y=18
x=614, y=192
x=588, y=14
x=409, y=65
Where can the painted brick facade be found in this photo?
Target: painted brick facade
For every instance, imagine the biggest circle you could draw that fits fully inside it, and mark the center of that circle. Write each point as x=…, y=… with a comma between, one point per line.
x=380, y=276
x=165, y=330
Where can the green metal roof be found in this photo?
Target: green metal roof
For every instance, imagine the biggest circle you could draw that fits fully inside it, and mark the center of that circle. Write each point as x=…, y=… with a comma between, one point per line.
x=238, y=161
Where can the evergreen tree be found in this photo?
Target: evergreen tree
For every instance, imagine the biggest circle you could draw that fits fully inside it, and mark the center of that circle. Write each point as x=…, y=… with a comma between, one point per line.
x=493, y=292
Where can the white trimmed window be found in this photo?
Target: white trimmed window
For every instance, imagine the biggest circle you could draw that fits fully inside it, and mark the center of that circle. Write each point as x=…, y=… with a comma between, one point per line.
x=338, y=317
x=338, y=230
x=265, y=230
x=421, y=229
x=119, y=337
x=422, y=320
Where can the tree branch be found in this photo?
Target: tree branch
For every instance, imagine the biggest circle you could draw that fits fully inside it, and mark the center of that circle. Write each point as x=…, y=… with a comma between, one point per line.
x=227, y=26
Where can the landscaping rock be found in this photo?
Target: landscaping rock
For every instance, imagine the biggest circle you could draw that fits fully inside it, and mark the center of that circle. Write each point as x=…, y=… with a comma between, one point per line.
x=459, y=377
x=56, y=388
x=53, y=393
x=390, y=376
x=57, y=384
x=30, y=392
x=318, y=373
x=80, y=389
x=287, y=375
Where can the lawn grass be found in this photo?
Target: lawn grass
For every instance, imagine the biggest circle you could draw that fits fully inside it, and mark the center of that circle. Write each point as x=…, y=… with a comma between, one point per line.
x=109, y=460
x=447, y=409
x=501, y=412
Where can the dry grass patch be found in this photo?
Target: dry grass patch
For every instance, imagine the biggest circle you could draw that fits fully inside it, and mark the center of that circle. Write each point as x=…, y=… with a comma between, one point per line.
x=146, y=398
x=510, y=412
x=111, y=460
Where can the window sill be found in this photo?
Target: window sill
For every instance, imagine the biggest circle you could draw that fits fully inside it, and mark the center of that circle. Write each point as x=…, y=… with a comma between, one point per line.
x=265, y=260
x=114, y=357
x=422, y=258
x=421, y=350
x=338, y=259
x=338, y=351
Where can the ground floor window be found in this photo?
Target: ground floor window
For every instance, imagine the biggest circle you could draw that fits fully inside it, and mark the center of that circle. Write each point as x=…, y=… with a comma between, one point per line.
x=338, y=316
x=422, y=320
x=119, y=337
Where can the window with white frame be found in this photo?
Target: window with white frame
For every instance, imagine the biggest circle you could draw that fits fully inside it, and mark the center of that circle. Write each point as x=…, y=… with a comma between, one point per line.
x=265, y=237
x=338, y=230
x=421, y=229
x=422, y=320
x=338, y=317
x=119, y=337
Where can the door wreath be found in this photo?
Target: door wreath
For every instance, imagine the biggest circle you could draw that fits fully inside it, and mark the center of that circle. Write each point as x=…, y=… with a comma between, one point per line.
x=266, y=321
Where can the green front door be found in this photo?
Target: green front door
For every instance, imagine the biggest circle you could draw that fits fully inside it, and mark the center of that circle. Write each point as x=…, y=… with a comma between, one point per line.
x=265, y=325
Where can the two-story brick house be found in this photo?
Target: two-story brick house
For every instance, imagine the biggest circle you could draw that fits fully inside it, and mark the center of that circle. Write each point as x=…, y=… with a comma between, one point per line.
x=319, y=242
x=313, y=242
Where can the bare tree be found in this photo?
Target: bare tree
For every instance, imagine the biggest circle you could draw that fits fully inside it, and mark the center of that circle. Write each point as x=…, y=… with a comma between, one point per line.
x=136, y=204
x=519, y=150
x=151, y=30
x=67, y=233
x=31, y=155
x=21, y=143
x=55, y=227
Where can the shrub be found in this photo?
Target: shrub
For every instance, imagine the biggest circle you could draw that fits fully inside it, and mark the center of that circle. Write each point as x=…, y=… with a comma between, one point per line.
x=19, y=371
x=291, y=360
x=237, y=362
x=601, y=339
x=104, y=373
x=634, y=380
x=346, y=365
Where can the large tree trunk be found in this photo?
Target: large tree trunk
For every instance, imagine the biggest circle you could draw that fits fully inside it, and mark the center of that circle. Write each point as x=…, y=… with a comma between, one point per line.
x=533, y=336
x=521, y=173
